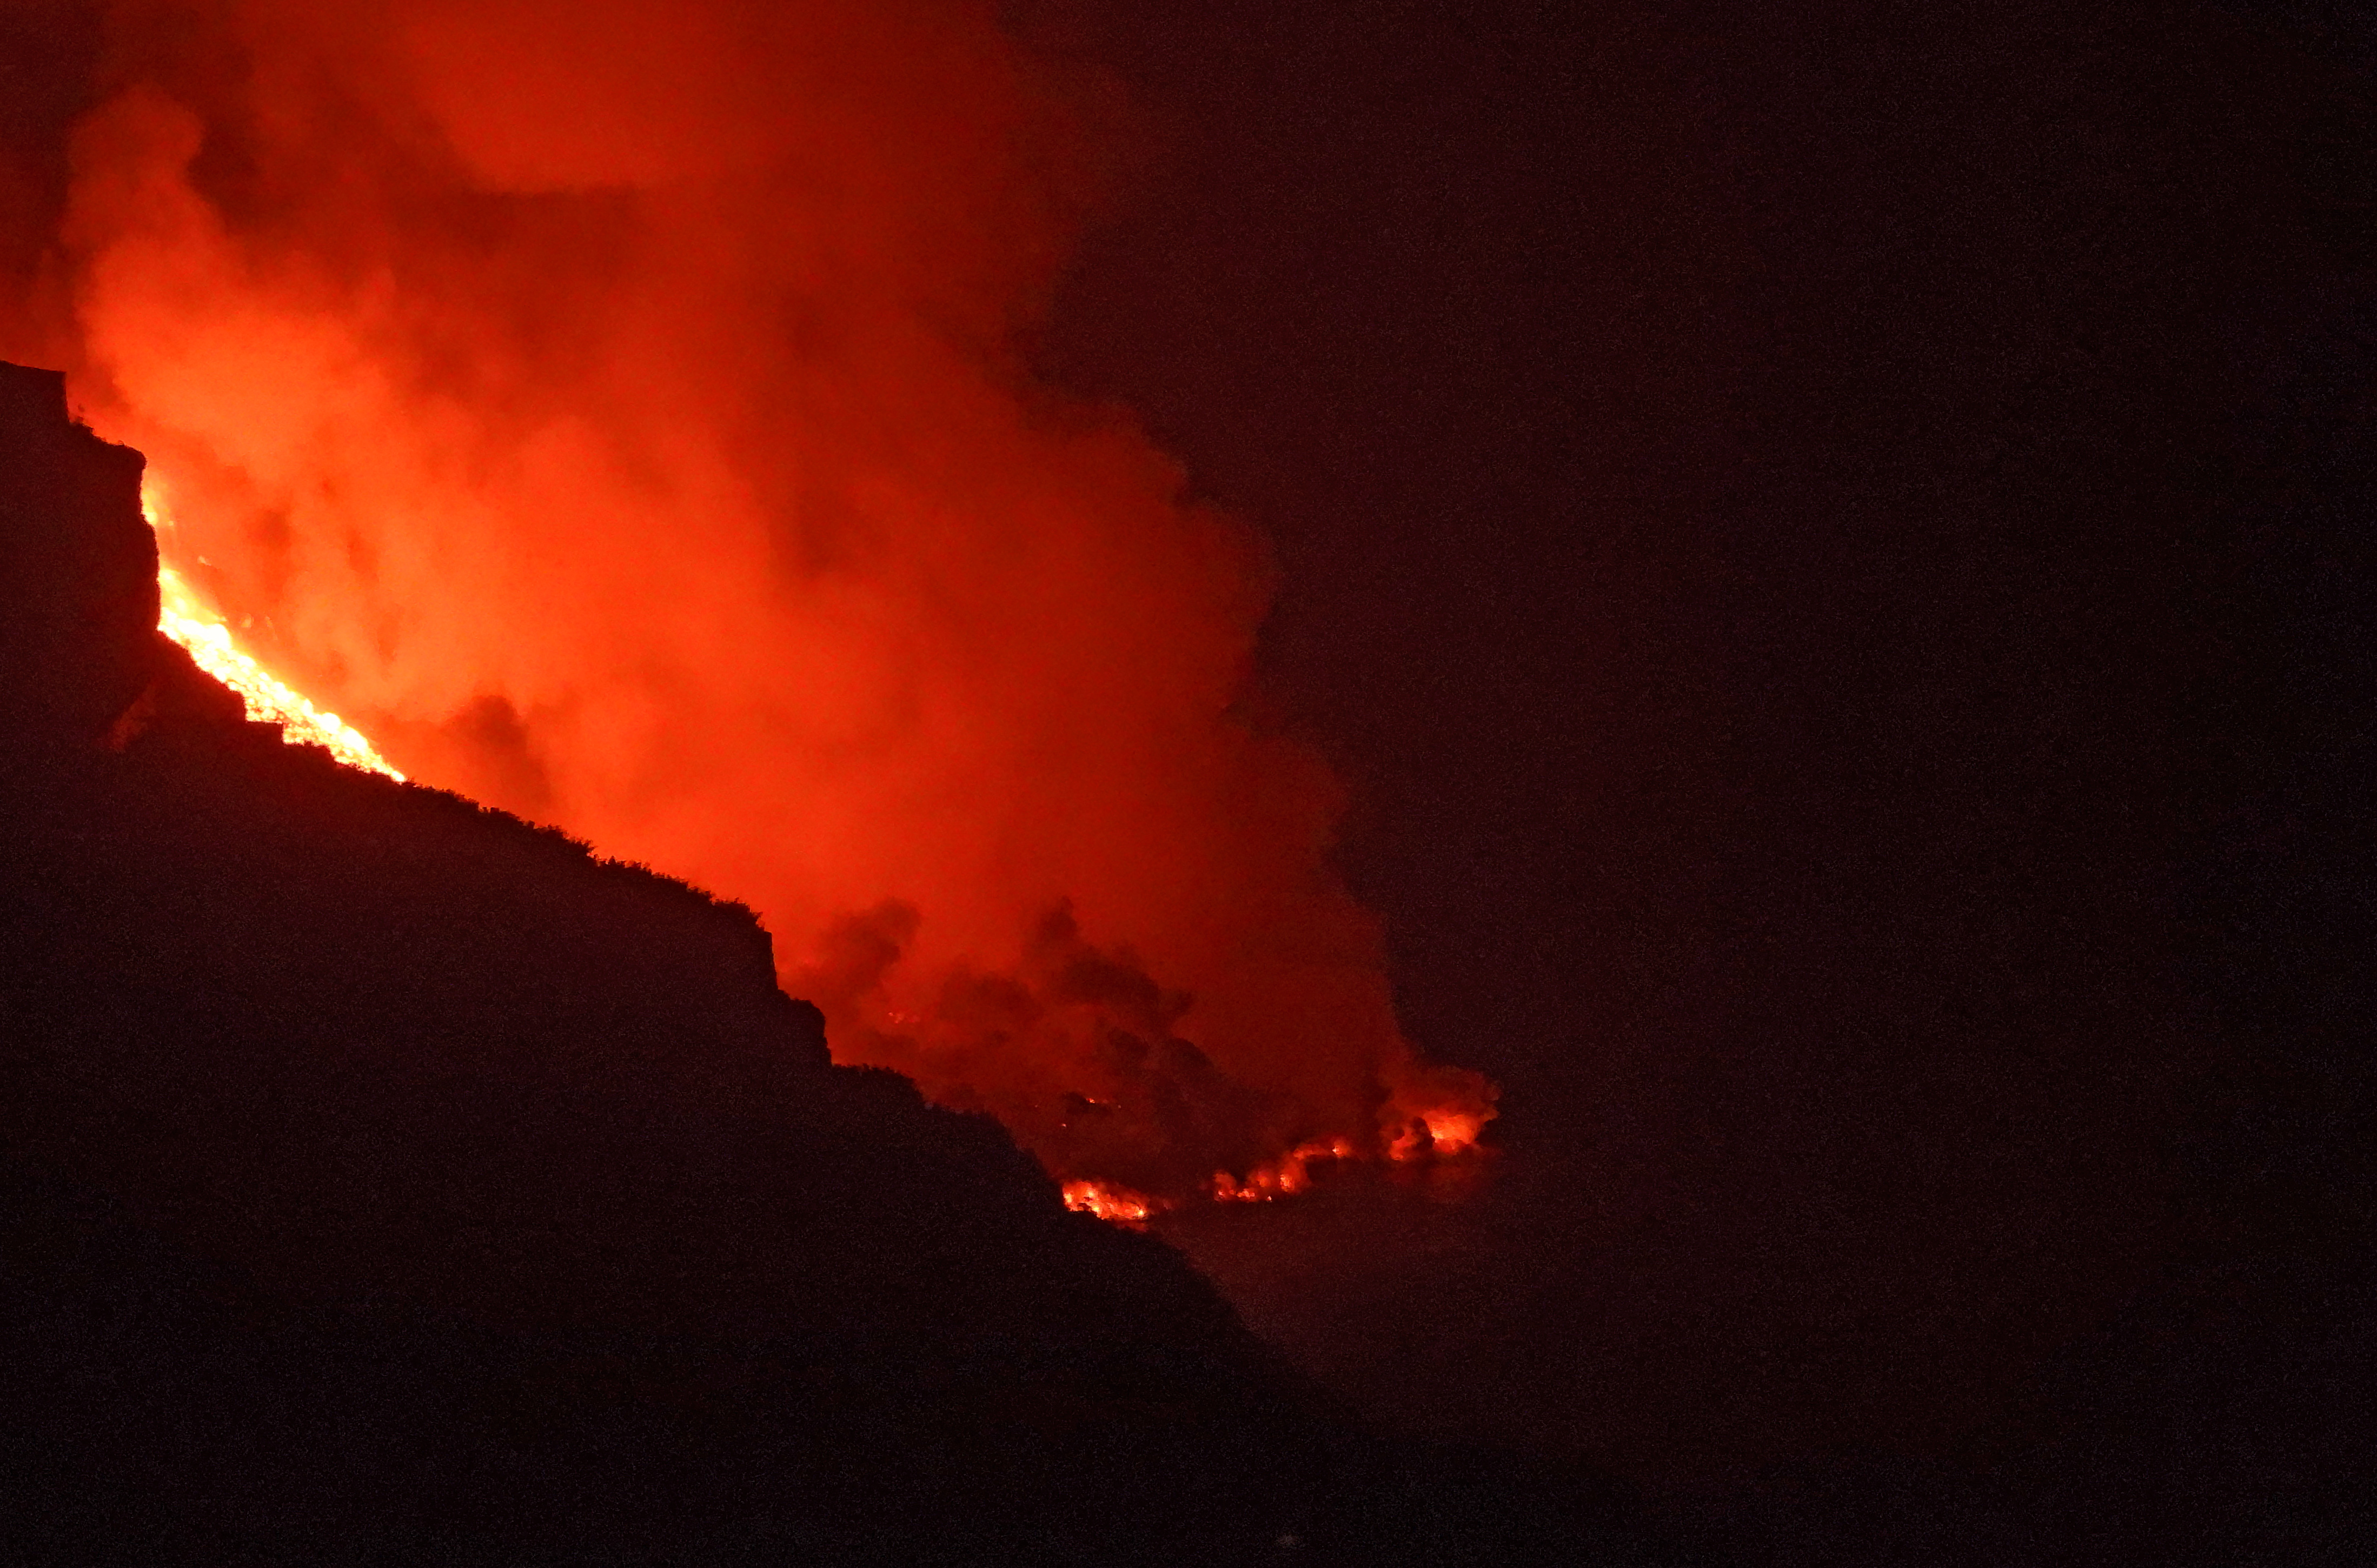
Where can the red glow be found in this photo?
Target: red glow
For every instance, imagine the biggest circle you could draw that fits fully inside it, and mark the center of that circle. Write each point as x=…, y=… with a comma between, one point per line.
x=1284, y=1177
x=1118, y=1204
x=608, y=408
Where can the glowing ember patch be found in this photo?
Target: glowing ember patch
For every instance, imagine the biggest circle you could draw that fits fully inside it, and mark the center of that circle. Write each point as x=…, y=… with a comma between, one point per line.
x=1436, y=1133
x=1452, y=1130
x=1292, y=1174
x=184, y=618
x=1119, y=1204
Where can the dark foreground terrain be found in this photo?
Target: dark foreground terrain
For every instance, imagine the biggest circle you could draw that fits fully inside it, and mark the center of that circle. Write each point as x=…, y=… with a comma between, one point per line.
x=383, y=1179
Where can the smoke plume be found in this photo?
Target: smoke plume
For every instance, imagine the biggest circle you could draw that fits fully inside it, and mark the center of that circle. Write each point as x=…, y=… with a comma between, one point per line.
x=609, y=406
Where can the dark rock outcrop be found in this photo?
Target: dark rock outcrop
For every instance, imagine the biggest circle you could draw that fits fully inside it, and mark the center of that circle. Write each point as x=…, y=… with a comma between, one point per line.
x=77, y=570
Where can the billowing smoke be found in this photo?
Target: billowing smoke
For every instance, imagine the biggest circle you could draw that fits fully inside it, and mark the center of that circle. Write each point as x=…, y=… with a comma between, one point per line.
x=609, y=406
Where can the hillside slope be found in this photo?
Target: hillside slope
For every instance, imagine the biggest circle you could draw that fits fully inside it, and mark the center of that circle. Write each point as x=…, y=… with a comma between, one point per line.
x=388, y=1179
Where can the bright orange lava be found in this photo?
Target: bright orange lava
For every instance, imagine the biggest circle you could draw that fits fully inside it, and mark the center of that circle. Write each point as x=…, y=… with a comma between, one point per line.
x=184, y=617
x=1290, y=1173
x=1118, y=1204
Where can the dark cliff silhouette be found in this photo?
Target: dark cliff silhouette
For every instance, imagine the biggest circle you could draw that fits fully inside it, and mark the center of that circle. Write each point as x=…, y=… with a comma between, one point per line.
x=388, y=1179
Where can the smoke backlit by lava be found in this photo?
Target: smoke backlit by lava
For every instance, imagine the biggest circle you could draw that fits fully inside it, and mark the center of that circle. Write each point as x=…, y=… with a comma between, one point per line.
x=612, y=409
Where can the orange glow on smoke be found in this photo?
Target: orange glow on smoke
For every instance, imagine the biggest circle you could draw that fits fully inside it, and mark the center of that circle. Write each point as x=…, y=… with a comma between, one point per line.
x=612, y=408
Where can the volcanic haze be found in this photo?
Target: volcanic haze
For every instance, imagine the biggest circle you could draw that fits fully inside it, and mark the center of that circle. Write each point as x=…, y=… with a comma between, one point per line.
x=612, y=411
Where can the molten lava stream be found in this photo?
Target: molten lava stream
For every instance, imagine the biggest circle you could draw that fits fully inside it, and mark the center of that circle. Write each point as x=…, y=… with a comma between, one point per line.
x=183, y=617
x=1440, y=1135
x=1118, y=1204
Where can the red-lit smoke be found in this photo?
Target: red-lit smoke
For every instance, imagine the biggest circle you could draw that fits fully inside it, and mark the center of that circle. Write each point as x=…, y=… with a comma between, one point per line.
x=610, y=408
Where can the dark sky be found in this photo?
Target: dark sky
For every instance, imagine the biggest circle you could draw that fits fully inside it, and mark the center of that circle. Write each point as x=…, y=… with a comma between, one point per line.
x=1825, y=540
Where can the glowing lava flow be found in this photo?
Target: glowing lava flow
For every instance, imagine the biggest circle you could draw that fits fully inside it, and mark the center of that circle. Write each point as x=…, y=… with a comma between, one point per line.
x=1438, y=1134
x=1117, y=1204
x=1435, y=1133
x=185, y=617
x=1289, y=1176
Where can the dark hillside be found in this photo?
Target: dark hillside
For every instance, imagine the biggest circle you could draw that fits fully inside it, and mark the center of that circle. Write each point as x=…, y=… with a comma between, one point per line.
x=388, y=1179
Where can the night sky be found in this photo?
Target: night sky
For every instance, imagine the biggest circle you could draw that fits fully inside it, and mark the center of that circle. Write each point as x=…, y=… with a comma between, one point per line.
x=1823, y=539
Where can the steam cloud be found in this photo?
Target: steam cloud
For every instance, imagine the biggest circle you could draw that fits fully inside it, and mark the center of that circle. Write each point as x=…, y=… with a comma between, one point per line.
x=610, y=408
